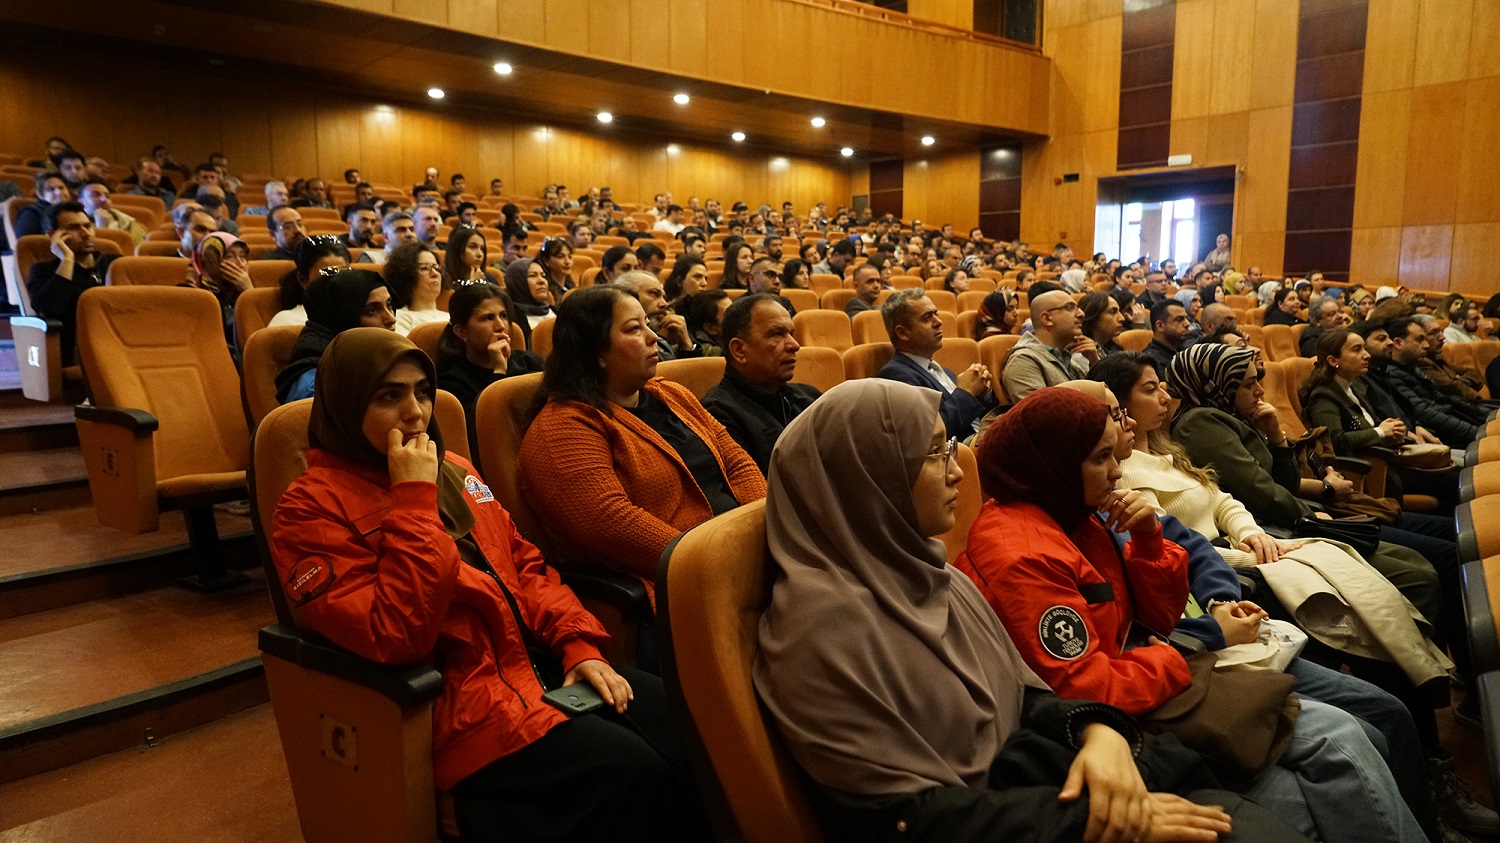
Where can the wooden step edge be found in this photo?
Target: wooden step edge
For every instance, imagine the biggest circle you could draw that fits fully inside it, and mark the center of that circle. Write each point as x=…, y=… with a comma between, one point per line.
x=60, y=493
x=52, y=588
x=139, y=719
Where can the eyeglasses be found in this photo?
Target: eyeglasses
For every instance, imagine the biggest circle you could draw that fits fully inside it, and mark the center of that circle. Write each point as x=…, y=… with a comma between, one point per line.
x=1070, y=306
x=1119, y=414
x=949, y=448
x=429, y=267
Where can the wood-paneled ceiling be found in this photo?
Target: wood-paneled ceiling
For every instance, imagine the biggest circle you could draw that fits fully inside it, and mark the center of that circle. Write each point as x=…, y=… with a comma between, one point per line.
x=391, y=59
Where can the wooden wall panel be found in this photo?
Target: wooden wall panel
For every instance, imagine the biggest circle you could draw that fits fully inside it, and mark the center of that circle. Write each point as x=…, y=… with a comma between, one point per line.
x=1433, y=148
x=943, y=189
x=1443, y=40
x=1472, y=268
x=1479, y=140
x=1426, y=256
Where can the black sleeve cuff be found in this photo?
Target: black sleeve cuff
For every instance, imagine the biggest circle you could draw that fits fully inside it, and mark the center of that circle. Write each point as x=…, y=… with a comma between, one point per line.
x=1088, y=714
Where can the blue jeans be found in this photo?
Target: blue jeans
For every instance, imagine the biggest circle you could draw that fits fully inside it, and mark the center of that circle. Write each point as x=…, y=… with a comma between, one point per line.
x=1333, y=785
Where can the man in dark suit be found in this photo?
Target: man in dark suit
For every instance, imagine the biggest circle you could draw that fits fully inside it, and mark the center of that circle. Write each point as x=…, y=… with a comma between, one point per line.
x=916, y=332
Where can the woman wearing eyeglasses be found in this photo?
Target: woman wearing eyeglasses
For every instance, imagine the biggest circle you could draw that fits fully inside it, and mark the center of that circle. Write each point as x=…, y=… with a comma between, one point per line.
x=416, y=280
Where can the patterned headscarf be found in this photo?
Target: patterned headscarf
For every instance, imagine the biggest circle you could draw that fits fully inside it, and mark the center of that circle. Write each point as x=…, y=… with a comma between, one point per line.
x=1207, y=374
x=207, y=257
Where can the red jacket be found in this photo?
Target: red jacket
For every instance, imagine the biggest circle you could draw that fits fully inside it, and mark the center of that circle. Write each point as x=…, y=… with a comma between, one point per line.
x=1067, y=603
x=369, y=566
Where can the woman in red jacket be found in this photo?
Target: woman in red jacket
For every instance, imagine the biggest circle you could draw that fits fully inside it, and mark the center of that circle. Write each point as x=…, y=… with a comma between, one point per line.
x=398, y=552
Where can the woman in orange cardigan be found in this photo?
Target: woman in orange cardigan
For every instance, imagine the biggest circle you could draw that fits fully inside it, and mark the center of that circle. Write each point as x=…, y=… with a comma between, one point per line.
x=617, y=461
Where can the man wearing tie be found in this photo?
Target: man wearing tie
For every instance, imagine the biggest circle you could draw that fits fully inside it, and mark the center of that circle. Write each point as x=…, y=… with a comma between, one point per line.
x=916, y=332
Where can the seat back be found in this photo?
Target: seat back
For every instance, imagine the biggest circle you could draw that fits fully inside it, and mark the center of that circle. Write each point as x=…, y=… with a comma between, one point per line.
x=162, y=350
x=122, y=242
x=835, y=299
x=500, y=424
x=820, y=367
x=698, y=374
x=712, y=587
x=868, y=326
x=866, y=361
x=1279, y=343
x=970, y=300
x=1277, y=395
x=254, y=310
x=280, y=457
x=268, y=273
x=541, y=337
x=1254, y=316
x=822, y=282
x=451, y=420
x=134, y=270
x=992, y=353
x=267, y=352
x=426, y=336
x=1135, y=339
x=1296, y=370
x=158, y=248
x=826, y=328
x=1254, y=335
x=1485, y=352
x=957, y=353
x=800, y=299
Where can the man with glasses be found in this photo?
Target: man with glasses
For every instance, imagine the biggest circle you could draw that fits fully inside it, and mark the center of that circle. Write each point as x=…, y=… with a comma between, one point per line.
x=1155, y=292
x=765, y=277
x=916, y=331
x=286, y=226
x=1056, y=351
x=399, y=229
x=1170, y=329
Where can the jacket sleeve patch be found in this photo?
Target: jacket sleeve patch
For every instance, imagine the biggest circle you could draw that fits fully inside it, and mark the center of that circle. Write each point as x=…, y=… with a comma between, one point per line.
x=1063, y=633
x=308, y=579
x=477, y=490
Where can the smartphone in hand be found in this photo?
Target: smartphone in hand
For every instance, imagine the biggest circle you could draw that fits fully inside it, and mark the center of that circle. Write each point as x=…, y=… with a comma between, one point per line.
x=573, y=700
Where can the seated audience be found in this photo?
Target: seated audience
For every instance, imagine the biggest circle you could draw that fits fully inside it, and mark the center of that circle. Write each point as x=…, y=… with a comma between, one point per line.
x=1463, y=325
x=795, y=275
x=467, y=258
x=1101, y=321
x=1057, y=529
x=1465, y=382
x=897, y=691
x=1155, y=292
x=55, y=147
x=76, y=265
x=1170, y=330
x=287, y=229
x=916, y=333
x=756, y=399
x=653, y=259
x=530, y=295
x=1056, y=351
x=150, y=182
x=315, y=254
x=1216, y=316
x=51, y=189
x=616, y=261
x=399, y=229
x=738, y=259
x=1285, y=307
x=336, y=302
x=674, y=339
x=475, y=349
x=94, y=197
x=416, y=281
x=689, y=277
x=705, y=312
x=445, y=586
x=1397, y=368
x=617, y=461
x=867, y=287
x=73, y=167
x=556, y=259
x=315, y=195
x=765, y=277
x=221, y=265
x=512, y=246
x=999, y=313
x=362, y=220
x=426, y=225
x=956, y=281
x=1323, y=315
x=840, y=255
x=276, y=196
x=672, y=222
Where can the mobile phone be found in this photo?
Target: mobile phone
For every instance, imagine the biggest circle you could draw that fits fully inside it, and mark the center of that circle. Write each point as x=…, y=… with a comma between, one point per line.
x=573, y=700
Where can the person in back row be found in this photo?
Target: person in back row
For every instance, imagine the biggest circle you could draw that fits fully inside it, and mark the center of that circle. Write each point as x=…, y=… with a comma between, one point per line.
x=336, y=301
x=898, y=692
x=674, y=338
x=475, y=349
x=76, y=266
x=617, y=461
x=756, y=400
x=394, y=549
x=916, y=332
x=416, y=281
x=1056, y=351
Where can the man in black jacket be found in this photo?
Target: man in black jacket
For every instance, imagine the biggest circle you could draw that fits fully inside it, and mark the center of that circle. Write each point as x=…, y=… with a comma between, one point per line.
x=1452, y=420
x=77, y=266
x=1170, y=330
x=756, y=400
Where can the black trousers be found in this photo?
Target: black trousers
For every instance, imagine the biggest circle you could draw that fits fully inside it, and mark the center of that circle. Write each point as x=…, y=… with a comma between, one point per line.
x=600, y=776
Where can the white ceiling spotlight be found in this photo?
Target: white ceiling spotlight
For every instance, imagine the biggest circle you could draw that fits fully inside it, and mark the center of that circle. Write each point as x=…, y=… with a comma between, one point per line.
x=928, y=140
x=818, y=122
x=847, y=152
x=503, y=68
x=738, y=136
x=436, y=93
x=682, y=99
x=605, y=117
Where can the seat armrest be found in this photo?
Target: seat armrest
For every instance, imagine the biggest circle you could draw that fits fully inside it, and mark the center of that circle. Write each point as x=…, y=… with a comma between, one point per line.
x=1466, y=484
x=1468, y=542
x=37, y=322
x=136, y=421
x=1354, y=464
x=1479, y=617
x=39, y=357
x=405, y=685
x=618, y=590
x=1489, y=709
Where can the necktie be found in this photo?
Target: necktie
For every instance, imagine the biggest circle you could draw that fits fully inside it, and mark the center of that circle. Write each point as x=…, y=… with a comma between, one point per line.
x=942, y=376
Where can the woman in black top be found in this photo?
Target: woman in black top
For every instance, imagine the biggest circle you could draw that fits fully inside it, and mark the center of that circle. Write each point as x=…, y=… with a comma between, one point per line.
x=475, y=348
x=1285, y=305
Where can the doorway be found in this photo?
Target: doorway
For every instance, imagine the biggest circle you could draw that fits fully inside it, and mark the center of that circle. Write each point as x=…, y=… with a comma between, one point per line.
x=1173, y=215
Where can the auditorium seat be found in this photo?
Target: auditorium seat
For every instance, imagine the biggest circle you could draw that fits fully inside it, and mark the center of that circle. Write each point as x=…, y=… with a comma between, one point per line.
x=541, y=337
x=33, y=249
x=147, y=271
x=819, y=367
x=971, y=300
x=1254, y=316
x=1278, y=396
x=1279, y=343
x=1478, y=523
x=266, y=352
x=712, y=586
x=122, y=242
x=827, y=328
x=426, y=337
x=836, y=299
x=165, y=429
x=800, y=299
x=1254, y=334
x=698, y=374
x=1241, y=302
x=356, y=735
x=866, y=361
x=269, y=273
x=868, y=326
x=992, y=353
x=1135, y=339
x=1477, y=481
x=253, y=310
x=821, y=283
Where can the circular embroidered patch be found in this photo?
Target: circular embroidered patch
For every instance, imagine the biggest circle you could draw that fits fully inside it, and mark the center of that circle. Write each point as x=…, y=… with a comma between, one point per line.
x=1062, y=633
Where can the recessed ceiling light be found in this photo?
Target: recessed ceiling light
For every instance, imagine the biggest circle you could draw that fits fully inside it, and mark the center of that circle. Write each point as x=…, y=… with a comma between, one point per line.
x=436, y=93
x=928, y=140
x=681, y=99
x=738, y=136
x=503, y=68
x=605, y=117
x=846, y=152
x=673, y=149
x=818, y=122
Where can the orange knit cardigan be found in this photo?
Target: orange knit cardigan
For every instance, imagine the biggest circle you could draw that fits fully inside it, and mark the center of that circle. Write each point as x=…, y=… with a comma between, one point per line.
x=611, y=490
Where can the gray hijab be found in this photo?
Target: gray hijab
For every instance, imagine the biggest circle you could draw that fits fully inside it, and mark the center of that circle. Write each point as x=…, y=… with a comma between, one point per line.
x=884, y=667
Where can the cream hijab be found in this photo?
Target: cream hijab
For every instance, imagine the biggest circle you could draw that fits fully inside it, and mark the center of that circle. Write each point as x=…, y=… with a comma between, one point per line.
x=883, y=666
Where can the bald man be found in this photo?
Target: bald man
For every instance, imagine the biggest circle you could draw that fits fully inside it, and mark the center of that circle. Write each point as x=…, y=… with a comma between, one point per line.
x=1056, y=351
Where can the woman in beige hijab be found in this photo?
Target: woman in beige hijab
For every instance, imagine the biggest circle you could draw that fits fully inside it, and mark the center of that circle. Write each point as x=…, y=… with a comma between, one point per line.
x=896, y=688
